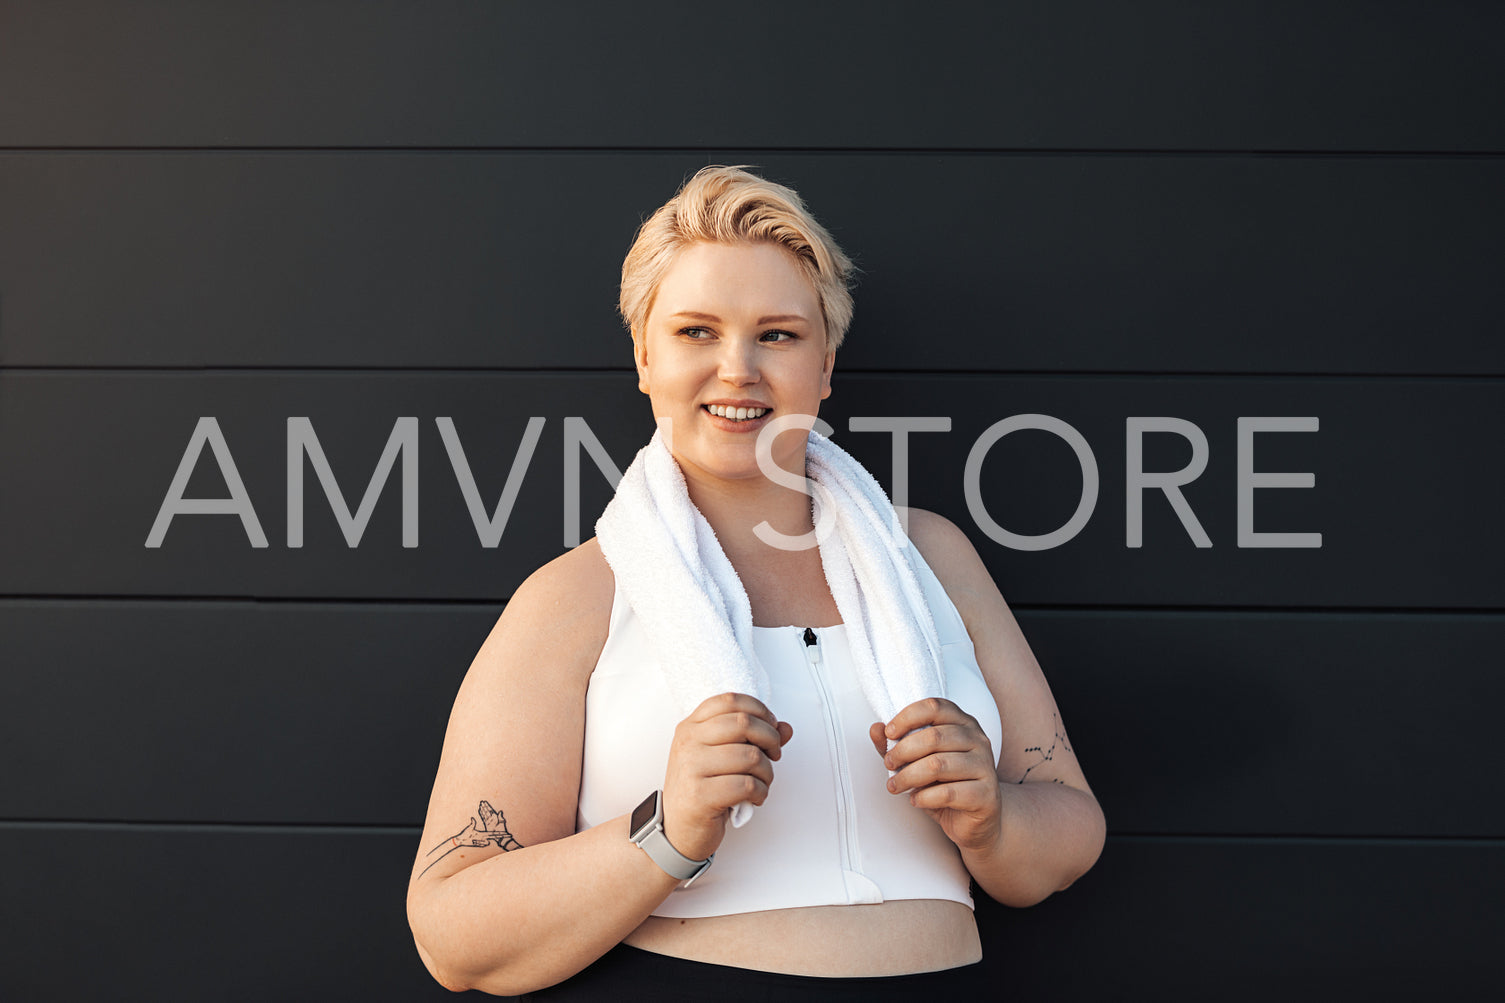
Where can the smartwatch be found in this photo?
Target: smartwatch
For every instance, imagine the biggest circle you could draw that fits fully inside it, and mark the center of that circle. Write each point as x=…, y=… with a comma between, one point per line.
x=648, y=833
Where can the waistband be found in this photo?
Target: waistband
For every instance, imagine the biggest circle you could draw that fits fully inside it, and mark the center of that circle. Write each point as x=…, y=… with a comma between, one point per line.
x=630, y=973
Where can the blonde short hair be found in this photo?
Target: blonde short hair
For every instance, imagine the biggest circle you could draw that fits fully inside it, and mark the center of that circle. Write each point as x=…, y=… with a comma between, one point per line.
x=728, y=205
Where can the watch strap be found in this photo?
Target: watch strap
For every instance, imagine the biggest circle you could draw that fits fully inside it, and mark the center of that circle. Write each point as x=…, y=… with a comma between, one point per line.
x=651, y=839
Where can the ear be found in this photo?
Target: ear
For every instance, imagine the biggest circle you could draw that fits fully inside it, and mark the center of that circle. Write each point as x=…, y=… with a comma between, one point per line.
x=640, y=358
x=825, y=376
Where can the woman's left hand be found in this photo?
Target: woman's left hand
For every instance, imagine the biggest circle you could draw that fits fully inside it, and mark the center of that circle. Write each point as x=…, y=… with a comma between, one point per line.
x=943, y=758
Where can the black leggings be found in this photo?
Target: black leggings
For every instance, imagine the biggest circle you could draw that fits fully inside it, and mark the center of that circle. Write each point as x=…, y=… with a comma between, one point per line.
x=627, y=974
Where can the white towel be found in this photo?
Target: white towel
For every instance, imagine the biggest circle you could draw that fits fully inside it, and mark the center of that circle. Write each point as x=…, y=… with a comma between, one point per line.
x=678, y=581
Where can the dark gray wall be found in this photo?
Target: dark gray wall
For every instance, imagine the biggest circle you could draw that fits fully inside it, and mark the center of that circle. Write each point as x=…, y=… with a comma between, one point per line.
x=216, y=756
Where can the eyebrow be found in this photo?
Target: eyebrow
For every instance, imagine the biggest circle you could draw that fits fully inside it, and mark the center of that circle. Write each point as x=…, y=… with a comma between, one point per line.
x=774, y=318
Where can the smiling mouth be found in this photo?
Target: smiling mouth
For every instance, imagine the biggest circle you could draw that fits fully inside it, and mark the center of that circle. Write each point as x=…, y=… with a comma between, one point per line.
x=736, y=413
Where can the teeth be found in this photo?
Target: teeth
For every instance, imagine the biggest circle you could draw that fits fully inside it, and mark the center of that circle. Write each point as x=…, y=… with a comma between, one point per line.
x=736, y=413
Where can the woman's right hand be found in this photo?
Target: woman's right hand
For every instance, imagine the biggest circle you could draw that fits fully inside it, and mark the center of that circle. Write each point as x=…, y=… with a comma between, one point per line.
x=722, y=755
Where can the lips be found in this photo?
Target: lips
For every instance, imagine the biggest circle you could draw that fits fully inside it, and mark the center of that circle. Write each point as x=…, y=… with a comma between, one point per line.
x=737, y=413
x=725, y=416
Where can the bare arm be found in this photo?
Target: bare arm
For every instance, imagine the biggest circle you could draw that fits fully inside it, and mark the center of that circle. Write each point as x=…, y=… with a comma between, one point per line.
x=505, y=896
x=1023, y=816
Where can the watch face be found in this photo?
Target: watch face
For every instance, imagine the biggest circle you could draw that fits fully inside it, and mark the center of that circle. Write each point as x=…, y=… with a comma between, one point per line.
x=643, y=813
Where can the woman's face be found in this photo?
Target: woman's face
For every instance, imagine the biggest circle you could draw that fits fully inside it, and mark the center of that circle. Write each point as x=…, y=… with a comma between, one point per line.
x=733, y=326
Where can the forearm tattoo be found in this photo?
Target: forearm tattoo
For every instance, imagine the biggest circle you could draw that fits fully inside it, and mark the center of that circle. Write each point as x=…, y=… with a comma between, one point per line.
x=488, y=827
x=1047, y=754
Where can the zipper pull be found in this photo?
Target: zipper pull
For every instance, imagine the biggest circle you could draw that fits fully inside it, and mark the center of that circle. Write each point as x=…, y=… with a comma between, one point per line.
x=812, y=646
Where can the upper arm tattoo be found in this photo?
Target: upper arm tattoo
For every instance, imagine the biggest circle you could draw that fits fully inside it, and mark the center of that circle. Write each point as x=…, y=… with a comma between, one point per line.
x=489, y=826
x=1046, y=754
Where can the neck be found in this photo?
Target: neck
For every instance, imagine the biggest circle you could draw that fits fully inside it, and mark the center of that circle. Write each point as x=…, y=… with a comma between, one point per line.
x=734, y=508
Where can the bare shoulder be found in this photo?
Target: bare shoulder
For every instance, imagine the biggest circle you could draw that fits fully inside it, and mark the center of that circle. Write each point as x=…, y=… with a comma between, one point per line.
x=578, y=580
x=560, y=612
x=956, y=564
x=573, y=590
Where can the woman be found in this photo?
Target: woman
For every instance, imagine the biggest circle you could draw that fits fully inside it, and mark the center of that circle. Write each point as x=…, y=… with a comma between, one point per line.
x=598, y=785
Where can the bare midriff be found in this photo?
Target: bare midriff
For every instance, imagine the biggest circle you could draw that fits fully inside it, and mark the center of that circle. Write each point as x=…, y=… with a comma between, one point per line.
x=898, y=937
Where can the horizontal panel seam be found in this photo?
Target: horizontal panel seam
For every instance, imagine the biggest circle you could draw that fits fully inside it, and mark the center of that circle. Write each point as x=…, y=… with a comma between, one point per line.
x=1258, y=610
x=1305, y=839
x=698, y=151
x=270, y=828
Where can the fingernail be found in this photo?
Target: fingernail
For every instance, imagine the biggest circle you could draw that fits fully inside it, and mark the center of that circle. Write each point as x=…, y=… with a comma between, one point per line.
x=892, y=787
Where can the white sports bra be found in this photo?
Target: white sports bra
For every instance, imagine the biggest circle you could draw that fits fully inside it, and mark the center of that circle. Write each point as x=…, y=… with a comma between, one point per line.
x=830, y=833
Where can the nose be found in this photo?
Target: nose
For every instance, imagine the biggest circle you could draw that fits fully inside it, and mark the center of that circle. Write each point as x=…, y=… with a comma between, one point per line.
x=738, y=365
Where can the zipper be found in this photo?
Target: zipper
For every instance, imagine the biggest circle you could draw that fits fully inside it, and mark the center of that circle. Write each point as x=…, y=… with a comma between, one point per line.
x=847, y=840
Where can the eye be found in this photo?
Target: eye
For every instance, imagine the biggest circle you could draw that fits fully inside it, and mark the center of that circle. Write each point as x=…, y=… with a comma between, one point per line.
x=779, y=335
x=695, y=333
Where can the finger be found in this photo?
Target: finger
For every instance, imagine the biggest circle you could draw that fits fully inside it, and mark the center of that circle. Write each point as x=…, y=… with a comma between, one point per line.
x=941, y=768
x=786, y=732
x=924, y=713
x=880, y=740
x=732, y=703
x=740, y=726
x=927, y=741
x=722, y=793
x=967, y=796
x=730, y=760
